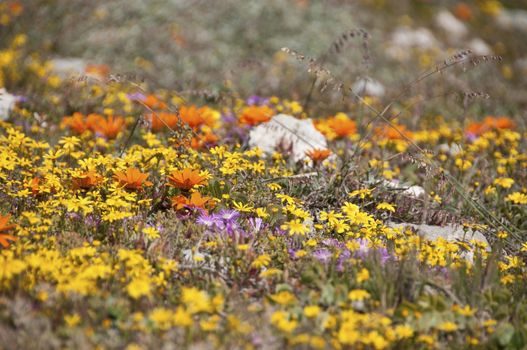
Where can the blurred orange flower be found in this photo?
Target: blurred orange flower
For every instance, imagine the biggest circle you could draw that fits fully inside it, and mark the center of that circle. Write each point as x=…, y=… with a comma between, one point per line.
x=79, y=123
x=254, y=115
x=475, y=128
x=5, y=228
x=34, y=185
x=463, y=11
x=132, y=179
x=391, y=133
x=196, y=200
x=99, y=71
x=87, y=180
x=338, y=126
x=488, y=124
x=499, y=122
x=197, y=117
x=75, y=122
x=203, y=139
x=186, y=179
x=318, y=155
x=109, y=127
x=16, y=8
x=154, y=103
x=162, y=120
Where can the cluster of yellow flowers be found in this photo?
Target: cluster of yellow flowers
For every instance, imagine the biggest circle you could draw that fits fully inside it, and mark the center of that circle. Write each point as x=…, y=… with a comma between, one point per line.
x=132, y=218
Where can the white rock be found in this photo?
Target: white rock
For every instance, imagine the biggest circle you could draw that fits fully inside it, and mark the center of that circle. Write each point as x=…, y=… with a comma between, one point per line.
x=450, y=233
x=369, y=87
x=521, y=64
x=7, y=102
x=284, y=132
x=415, y=191
x=512, y=19
x=412, y=191
x=405, y=38
x=68, y=67
x=479, y=47
x=451, y=25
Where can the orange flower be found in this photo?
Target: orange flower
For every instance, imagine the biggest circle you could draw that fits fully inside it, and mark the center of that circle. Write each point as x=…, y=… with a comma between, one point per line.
x=197, y=117
x=161, y=120
x=498, y=122
x=75, y=122
x=463, y=11
x=254, y=115
x=35, y=184
x=110, y=127
x=196, y=200
x=99, y=71
x=87, y=180
x=4, y=229
x=339, y=126
x=488, y=124
x=154, y=103
x=318, y=155
x=203, y=139
x=186, y=179
x=16, y=8
x=132, y=179
x=92, y=120
x=79, y=124
x=475, y=129
x=390, y=133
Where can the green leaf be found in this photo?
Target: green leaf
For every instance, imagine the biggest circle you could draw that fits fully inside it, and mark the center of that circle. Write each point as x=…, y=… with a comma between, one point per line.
x=504, y=333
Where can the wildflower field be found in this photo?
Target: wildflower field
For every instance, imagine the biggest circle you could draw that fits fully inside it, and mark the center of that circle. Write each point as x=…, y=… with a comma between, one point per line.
x=263, y=175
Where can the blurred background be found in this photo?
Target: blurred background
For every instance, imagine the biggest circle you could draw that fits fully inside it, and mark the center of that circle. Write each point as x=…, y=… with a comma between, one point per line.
x=206, y=47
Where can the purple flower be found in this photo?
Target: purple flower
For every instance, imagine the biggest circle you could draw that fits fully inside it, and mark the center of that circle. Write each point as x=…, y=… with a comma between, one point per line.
x=323, y=255
x=471, y=136
x=229, y=118
x=365, y=250
x=225, y=223
x=228, y=214
x=256, y=100
x=207, y=220
x=21, y=99
x=343, y=257
x=332, y=242
x=73, y=215
x=292, y=253
x=137, y=96
x=384, y=255
x=256, y=224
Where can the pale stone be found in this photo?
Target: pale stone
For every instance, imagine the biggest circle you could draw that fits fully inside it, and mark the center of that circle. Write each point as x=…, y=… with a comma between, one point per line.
x=369, y=87
x=451, y=25
x=7, y=102
x=451, y=232
x=404, y=39
x=284, y=132
x=479, y=47
x=415, y=191
x=512, y=19
x=422, y=38
x=68, y=67
x=412, y=191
